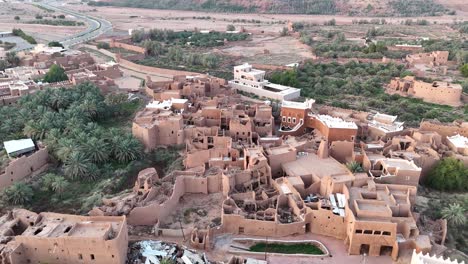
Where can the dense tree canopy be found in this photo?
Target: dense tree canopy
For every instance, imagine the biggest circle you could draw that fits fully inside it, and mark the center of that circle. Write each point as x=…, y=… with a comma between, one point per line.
x=55, y=74
x=68, y=121
x=360, y=86
x=448, y=175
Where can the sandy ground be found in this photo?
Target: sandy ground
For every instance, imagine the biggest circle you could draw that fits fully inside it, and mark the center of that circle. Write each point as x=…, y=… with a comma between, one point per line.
x=151, y=18
x=27, y=12
x=196, y=211
x=268, y=49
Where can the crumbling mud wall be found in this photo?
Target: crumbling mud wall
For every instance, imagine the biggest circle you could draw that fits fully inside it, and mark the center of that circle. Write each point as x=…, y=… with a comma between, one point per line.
x=445, y=129
x=151, y=214
x=22, y=167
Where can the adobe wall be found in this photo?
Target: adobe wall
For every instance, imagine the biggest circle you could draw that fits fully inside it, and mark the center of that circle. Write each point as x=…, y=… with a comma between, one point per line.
x=342, y=151
x=237, y=224
x=154, y=213
x=357, y=236
x=377, y=134
x=326, y=223
x=22, y=167
x=152, y=70
x=437, y=95
x=444, y=130
x=121, y=45
x=402, y=178
x=277, y=160
x=67, y=249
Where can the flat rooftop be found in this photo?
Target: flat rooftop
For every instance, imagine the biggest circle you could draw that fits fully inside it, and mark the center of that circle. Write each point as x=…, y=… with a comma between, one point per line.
x=17, y=145
x=61, y=225
x=279, y=150
x=298, y=105
x=335, y=122
x=401, y=164
x=459, y=141
x=313, y=165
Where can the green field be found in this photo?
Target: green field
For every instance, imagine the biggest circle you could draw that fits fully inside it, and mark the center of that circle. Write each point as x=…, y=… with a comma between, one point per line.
x=302, y=248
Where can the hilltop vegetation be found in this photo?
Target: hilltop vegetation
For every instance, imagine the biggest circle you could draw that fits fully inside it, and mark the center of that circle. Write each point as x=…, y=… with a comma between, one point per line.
x=345, y=7
x=360, y=86
x=87, y=154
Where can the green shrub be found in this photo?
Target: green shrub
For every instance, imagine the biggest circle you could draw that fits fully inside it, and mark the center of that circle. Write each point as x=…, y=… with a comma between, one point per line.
x=55, y=74
x=448, y=175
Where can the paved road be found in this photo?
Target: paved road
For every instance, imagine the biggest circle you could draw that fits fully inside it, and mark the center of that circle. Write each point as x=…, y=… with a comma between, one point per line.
x=96, y=26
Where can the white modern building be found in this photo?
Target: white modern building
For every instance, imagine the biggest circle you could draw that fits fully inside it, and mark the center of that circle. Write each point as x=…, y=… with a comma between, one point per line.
x=253, y=81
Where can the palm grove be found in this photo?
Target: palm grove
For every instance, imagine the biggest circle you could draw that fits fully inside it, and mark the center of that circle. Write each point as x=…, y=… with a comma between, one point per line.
x=71, y=123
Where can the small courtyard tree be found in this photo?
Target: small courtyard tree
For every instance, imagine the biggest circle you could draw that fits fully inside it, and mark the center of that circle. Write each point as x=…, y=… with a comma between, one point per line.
x=55, y=74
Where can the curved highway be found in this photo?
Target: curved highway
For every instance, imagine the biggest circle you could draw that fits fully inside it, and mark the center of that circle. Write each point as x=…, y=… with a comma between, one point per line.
x=96, y=26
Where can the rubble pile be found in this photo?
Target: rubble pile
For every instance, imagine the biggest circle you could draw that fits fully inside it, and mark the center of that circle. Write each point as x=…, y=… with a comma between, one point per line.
x=156, y=252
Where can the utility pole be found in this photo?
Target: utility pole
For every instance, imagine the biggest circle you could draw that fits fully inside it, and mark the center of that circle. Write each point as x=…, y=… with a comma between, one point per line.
x=266, y=247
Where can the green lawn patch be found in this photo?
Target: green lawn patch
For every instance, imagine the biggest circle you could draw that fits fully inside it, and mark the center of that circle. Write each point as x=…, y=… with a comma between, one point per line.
x=302, y=248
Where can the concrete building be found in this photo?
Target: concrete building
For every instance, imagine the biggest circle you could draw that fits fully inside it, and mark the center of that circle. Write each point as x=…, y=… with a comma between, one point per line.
x=249, y=80
x=436, y=92
x=60, y=238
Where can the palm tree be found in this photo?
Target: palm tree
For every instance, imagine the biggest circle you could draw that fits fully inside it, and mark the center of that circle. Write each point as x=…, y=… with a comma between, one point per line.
x=59, y=185
x=59, y=99
x=65, y=148
x=36, y=130
x=47, y=180
x=96, y=150
x=455, y=214
x=126, y=149
x=19, y=193
x=77, y=166
x=354, y=167
x=53, y=138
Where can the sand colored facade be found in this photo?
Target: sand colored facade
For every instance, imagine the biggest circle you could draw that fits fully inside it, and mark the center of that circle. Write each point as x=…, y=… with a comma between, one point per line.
x=435, y=58
x=80, y=67
x=59, y=238
x=442, y=129
x=189, y=107
x=23, y=166
x=312, y=193
x=299, y=118
x=436, y=92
